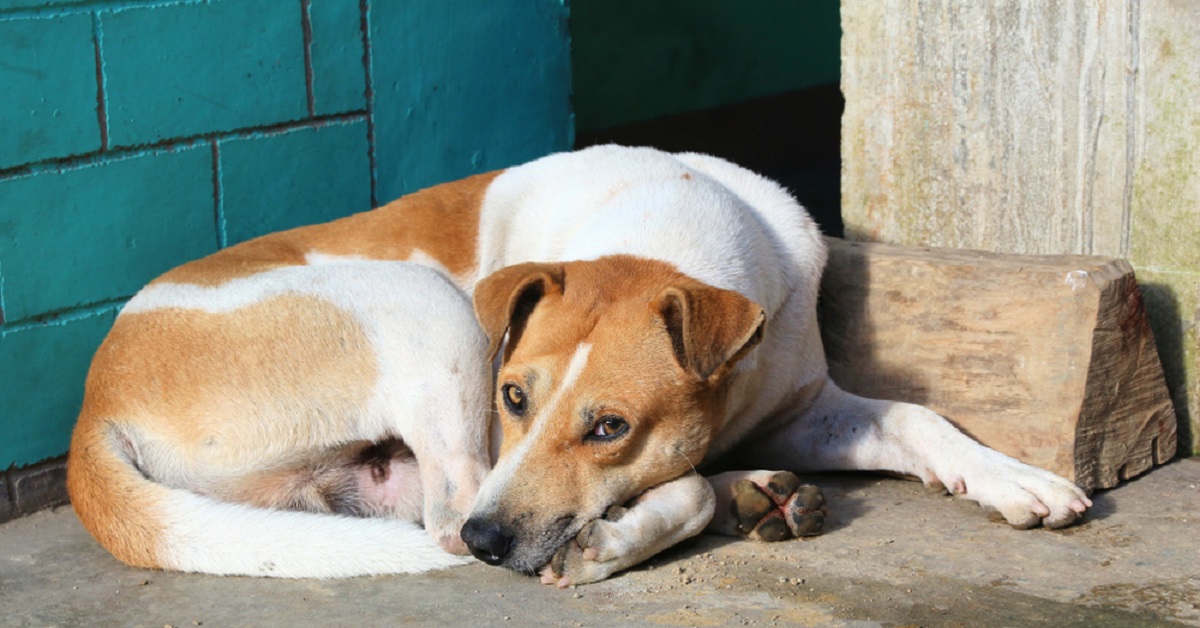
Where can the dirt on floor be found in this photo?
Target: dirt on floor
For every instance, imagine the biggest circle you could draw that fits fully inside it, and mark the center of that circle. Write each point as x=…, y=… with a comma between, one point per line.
x=893, y=555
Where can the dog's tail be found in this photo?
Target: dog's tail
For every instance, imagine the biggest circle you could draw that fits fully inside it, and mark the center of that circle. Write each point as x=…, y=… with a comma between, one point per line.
x=148, y=524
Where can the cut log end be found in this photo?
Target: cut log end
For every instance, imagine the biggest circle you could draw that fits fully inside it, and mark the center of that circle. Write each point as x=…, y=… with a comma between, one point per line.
x=1049, y=359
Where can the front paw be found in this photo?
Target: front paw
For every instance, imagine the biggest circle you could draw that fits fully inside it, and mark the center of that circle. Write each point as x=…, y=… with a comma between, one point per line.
x=778, y=508
x=1025, y=496
x=591, y=556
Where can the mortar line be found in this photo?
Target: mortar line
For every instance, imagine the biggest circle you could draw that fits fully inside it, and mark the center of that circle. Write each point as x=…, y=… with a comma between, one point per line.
x=1166, y=271
x=364, y=7
x=101, y=80
x=66, y=315
x=1088, y=136
x=2, y=315
x=218, y=200
x=95, y=158
x=34, y=13
x=306, y=27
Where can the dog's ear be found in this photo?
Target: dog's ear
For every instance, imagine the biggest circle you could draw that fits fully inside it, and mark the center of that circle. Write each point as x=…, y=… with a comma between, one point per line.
x=505, y=299
x=710, y=328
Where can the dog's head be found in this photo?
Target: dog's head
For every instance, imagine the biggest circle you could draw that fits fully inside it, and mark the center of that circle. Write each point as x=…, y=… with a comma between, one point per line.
x=612, y=381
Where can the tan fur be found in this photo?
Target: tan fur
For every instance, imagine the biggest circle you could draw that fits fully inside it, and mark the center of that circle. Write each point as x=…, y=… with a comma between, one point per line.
x=441, y=221
x=112, y=504
x=330, y=368
x=137, y=378
x=673, y=409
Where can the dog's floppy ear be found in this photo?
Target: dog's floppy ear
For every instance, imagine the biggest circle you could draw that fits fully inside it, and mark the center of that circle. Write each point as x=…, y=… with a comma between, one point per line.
x=505, y=299
x=710, y=328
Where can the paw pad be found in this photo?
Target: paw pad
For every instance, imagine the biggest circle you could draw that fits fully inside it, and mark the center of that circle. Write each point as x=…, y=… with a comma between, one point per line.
x=778, y=510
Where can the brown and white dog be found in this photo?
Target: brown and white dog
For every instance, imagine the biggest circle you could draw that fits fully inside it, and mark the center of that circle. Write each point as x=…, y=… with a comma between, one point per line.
x=652, y=313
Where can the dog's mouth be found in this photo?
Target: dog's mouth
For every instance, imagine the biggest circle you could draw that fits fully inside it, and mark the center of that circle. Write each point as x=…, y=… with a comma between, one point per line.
x=519, y=544
x=530, y=554
x=546, y=548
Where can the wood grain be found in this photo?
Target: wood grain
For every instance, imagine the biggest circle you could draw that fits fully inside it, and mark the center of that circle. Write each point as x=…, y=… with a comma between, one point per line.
x=1049, y=359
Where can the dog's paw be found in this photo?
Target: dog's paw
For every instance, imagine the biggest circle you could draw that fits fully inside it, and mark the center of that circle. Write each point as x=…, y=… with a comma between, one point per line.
x=591, y=556
x=452, y=542
x=445, y=526
x=778, y=508
x=1025, y=496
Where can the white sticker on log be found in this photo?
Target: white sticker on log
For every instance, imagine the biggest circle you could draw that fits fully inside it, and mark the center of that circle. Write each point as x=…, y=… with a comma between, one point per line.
x=1077, y=279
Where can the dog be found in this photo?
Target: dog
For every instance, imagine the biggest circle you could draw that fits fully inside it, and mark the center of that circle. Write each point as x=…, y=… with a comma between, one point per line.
x=650, y=315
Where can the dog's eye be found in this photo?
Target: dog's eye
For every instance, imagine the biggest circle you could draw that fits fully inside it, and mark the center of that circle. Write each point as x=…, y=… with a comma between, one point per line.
x=608, y=428
x=514, y=399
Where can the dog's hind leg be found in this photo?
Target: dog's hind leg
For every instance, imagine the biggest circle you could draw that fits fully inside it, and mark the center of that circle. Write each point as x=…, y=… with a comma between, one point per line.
x=841, y=431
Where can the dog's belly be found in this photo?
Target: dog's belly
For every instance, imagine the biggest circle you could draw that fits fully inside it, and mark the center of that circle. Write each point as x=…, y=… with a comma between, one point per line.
x=360, y=479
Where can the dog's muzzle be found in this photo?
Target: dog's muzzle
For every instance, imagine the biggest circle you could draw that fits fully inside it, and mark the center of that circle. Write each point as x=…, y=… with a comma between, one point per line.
x=488, y=541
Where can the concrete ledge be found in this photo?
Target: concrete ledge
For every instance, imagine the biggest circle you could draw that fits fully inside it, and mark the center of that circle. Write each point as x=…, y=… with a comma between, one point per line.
x=893, y=554
x=29, y=489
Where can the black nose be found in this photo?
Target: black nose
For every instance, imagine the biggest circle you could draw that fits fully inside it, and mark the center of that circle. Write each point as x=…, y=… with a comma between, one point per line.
x=488, y=541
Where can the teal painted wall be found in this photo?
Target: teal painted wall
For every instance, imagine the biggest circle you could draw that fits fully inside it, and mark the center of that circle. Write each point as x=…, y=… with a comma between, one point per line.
x=636, y=60
x=138, y=134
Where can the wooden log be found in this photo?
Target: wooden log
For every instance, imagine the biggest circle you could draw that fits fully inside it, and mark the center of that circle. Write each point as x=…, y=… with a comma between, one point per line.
x=1048, y=359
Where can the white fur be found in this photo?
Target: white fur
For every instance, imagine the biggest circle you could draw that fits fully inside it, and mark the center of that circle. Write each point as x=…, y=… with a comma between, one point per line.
x=432, y=389
x=501, y=476
x=661, y=517
x=723, y=225
x=734, y=229
x=417, y=321
x=578, y=362
x=209, y=536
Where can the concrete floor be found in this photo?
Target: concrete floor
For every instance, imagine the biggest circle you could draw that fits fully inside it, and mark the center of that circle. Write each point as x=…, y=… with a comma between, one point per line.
x=893, y=555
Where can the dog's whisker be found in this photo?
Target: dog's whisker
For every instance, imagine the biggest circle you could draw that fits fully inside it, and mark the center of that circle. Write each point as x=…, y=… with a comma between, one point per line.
x=681, y=455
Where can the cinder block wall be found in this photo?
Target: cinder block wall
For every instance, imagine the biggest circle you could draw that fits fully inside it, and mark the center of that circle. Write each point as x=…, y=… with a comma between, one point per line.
x=137, y=135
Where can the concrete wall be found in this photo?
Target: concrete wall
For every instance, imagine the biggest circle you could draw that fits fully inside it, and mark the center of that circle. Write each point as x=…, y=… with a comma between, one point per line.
x=636, y=60
x=136, y=135
x=1058, y=127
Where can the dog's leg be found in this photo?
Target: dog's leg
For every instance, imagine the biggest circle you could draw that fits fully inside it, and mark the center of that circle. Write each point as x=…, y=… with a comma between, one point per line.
x=656, y=520
x=435, y=394
x=841, y=431
x=766, y=506
x=452, y=456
